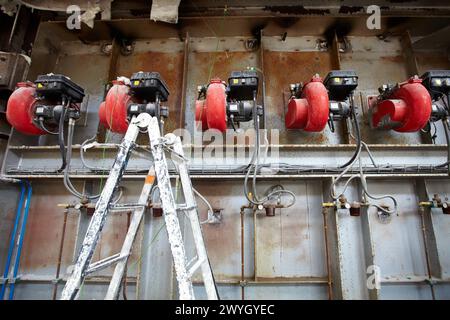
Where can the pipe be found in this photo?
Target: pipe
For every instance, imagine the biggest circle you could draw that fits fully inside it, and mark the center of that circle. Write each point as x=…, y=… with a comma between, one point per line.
x=21, y=237
x=242, y=255
x=243, y=282
x=13, y=237
x=447, y=139
x=327, y=254
x=7, y=179
x=124, y=279
x=61, y=246
x=425, y=245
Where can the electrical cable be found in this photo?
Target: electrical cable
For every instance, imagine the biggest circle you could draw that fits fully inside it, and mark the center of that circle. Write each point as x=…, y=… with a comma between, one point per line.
x=361, y=176
x=62, y=147
x=253, y=167
x=67, y=183
x=447, y=138
x=43, y=127
x=83, y=160
x=358, y=134
x=366, y=192
x=205, y=201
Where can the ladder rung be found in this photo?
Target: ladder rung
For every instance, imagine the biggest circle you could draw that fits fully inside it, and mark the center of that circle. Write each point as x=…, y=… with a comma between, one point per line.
x=196, y=266
x=126, y=207
x=188, y=265
x=184, y=208
x=101, y=264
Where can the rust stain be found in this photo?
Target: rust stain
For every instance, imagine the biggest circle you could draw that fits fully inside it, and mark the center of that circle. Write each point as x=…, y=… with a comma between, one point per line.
x=430, y=60
x=44, y=231
x=220, y=64
x=42, y=238
x=297, y=10
x=223, y=241
x=395, y=59
x=350, y=9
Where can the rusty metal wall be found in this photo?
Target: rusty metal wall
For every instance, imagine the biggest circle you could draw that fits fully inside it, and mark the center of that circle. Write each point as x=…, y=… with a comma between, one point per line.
x=285, y=256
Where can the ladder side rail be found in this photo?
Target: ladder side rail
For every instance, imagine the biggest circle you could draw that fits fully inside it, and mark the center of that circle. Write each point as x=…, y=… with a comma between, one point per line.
x=189, y=196
x=185, y=288
x=101, y=211
x=116, y=280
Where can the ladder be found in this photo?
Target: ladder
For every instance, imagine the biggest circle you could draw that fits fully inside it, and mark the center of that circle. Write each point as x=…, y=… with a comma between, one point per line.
x=183, y=270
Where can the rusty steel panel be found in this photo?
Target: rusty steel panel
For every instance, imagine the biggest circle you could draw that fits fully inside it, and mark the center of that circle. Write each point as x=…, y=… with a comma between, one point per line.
x=170, y=66
x=398, y=242
x=431, y=60
x=209, y=65
x=204, y=65
x=281, y=69
x=377, y=62
x=10, y=195
x=44, y=230
x=291, y=244
x=223, y=241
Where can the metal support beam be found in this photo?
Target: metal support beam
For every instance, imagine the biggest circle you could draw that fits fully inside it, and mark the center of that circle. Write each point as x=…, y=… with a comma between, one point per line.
x=369, y=251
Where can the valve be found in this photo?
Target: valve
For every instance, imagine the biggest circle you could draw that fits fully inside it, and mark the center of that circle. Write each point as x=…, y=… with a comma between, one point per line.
x=39, y=108
x=318, y=102
x=404, y=107
x=220, y=105
x=437, y=202
x=143, y=94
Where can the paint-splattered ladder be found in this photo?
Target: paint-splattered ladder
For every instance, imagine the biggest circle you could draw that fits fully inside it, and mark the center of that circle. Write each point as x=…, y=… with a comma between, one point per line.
x=184, y=273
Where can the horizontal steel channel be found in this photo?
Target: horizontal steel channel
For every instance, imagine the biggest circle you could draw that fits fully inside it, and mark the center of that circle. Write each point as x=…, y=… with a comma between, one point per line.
x=233, y=177
x=110, y=146
x=50, y=279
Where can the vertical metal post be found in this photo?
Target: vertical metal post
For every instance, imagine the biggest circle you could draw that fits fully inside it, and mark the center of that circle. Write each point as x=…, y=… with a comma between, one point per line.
x=369, y=251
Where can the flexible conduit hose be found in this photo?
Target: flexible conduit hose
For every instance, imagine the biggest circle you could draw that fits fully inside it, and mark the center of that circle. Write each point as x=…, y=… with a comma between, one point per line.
x=358, y=134
x=62, y=147
x=447, y=139
x=21, y=237
x=254, y=165
x=446, y=131
x=360, y=175
x=13, y=237
x=67, y=183
x=83, y=160
x=23, y=185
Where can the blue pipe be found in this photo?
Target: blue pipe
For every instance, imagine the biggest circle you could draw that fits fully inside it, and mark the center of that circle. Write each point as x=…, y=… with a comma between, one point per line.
x=21, y=237
x=11, y=242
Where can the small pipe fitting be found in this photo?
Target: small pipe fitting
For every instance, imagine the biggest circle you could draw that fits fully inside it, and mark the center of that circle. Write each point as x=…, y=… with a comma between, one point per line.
x=9, y=180
x=355, y=209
